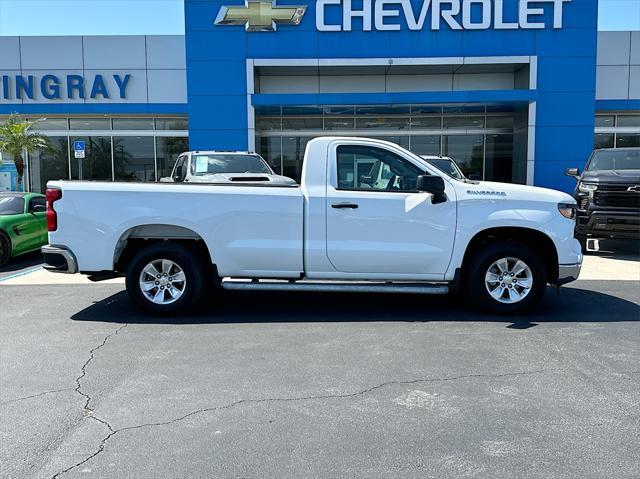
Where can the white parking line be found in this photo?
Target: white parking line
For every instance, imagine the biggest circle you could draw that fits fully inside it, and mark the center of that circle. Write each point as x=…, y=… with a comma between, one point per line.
x=21, y=273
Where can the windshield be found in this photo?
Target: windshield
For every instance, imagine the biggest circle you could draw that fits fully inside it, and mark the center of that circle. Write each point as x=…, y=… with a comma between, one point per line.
x=447, y=166
x=11, y=205
x=228, y=163
x=615, y=160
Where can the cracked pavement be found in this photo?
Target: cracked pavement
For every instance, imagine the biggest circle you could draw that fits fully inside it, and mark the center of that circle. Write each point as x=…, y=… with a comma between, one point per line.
x=290, y=385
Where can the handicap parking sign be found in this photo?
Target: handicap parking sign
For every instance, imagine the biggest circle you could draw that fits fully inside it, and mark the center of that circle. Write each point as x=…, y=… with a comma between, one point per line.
x=78, y=148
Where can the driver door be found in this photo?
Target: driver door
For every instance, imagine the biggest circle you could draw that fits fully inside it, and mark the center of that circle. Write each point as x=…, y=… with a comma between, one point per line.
x=378, y=223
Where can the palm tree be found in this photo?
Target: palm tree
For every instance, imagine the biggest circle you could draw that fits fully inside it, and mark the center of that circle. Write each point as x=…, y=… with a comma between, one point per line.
x=15, y=138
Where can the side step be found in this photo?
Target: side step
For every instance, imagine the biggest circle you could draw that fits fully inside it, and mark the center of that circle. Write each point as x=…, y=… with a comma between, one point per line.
x=334, y=287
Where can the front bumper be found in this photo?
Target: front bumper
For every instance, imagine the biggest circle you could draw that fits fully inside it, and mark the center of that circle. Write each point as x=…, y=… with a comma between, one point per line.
x=611, y=223
x=568, y=273
x=59, y=259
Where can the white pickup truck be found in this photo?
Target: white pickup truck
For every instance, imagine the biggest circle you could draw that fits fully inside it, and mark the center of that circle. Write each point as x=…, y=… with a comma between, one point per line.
x=419, y=231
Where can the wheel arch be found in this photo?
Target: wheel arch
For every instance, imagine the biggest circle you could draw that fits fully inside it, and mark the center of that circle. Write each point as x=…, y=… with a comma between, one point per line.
x=138, y=237
x=535, y=239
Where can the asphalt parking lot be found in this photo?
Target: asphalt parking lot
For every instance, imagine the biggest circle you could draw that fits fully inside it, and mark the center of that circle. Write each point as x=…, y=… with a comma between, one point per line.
x=318, y=385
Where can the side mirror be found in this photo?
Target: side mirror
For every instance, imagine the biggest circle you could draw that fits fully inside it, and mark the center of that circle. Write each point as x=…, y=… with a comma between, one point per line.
x=38, y=209
x=430, y=184
x=575, y=172
x=177, y=175
x=434, y=185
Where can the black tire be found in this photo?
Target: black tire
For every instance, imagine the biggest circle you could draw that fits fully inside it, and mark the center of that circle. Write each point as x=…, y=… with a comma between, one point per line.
x=181, y=256
x=5, y=248
x=479, y=265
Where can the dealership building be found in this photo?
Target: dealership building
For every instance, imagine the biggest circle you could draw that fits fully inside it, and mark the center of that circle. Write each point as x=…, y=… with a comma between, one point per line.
x=513, y=90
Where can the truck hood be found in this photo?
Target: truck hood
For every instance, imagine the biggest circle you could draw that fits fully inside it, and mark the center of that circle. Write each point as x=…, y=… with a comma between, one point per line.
x=243, y=178
x=612, y=176
x=511, y=191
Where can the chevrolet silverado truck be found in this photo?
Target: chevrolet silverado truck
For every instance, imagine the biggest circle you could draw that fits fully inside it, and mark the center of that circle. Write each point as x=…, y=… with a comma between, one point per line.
x=223, y=167
x=608, y=195
x=419, y=231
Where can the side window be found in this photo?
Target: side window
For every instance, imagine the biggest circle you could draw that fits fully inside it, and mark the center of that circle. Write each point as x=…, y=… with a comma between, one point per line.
x=37, y=201
x=370, y=168
x=180, y=170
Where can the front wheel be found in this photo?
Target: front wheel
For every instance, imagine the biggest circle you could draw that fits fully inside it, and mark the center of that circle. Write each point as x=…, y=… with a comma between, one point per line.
x=506, y=278
x=165, y=278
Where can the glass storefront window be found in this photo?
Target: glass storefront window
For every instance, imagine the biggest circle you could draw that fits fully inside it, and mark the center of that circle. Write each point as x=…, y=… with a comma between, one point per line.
x=300, y=111
x=628, y=140
x=167, y=150
x=500, y=122
x=381, y=123
x=382, y=110
x=267, y=124
x=339, y=110
x=426, y=123
x=467, y=151
x=133, y=123
x=48, y=165
x=177, y=123
x=338, y=123
x=603, y=140
x=90, y=123
x=270, y=148
x=426, y=145
x=498, y=163
x=606, y=121
x=51, y=124
x=302, y=123
x=426, y=110
x=453, y=122
x=412, y=126
x=97, y=162
x=292, y=154
x=629, y=120
x=133, y=158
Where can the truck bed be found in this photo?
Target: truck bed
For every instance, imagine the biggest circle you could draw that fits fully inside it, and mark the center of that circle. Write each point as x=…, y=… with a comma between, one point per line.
x=255, y=229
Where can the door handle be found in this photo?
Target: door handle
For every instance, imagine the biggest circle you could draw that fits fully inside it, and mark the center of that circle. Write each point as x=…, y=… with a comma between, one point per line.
x=352, y=206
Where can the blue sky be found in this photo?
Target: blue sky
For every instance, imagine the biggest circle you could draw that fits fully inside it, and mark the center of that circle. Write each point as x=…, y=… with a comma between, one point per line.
x=118, y=17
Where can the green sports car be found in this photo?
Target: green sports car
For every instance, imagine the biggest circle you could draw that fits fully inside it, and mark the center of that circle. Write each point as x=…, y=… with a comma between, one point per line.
x=23, y=224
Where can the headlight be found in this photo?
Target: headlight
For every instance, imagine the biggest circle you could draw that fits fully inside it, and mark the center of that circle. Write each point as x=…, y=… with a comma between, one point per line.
x=587, y=187
x=567, y=210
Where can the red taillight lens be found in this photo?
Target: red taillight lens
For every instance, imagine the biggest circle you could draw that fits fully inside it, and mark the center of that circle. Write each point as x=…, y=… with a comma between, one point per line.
x=53, y=195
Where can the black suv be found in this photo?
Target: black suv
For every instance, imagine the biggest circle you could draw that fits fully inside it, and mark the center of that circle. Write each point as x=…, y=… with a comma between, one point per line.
x=608, y=195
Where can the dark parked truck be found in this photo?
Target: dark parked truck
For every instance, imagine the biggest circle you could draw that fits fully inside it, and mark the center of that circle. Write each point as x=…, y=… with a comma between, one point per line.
x=608, y=195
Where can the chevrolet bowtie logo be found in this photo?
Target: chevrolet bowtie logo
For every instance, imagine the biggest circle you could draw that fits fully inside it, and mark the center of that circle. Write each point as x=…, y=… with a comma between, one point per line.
x=260, y=16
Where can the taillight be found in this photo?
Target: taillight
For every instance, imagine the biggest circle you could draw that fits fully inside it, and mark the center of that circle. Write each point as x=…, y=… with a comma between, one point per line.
x=53, y=195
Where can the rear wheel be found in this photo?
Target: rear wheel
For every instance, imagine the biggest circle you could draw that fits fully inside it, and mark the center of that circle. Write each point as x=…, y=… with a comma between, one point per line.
x=506, y=278
x=165, y=278
x=5, y=248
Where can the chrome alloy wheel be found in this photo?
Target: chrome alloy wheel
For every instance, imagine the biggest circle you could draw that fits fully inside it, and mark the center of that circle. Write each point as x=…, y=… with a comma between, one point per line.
x=509, y=280
x=162, y=281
